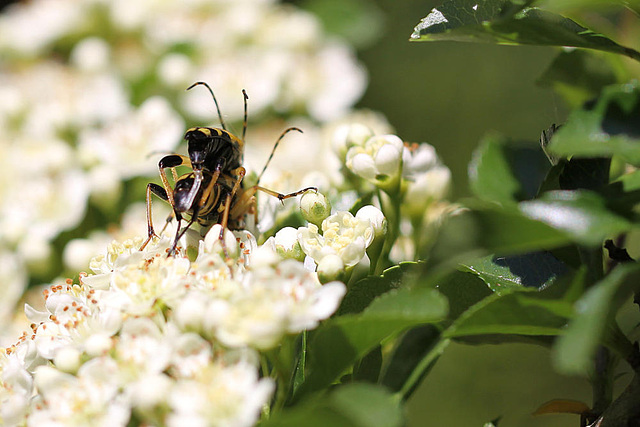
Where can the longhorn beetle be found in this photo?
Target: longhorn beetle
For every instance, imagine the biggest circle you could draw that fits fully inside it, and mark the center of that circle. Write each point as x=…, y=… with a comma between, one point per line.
x=212, y=193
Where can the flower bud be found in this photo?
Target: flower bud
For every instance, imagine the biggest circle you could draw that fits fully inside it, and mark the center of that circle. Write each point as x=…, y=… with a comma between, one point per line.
x=378, y=161
x=287, y=245
x=348, y=135
x=315, y=207
x=330, y=268
x=212, y=243
x=67, y=359
x=376, y=217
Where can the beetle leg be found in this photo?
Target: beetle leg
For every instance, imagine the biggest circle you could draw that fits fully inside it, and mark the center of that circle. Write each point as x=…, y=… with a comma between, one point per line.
x=160, y=192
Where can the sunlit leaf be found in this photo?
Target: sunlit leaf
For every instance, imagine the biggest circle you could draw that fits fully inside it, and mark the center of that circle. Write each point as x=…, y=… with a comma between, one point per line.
x=536, y=270
x=503, y=22
x=583, y=215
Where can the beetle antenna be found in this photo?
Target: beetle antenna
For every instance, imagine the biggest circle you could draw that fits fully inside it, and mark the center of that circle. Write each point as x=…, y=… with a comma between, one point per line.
x=273, y=150
x=224, y=127
x=246, y=120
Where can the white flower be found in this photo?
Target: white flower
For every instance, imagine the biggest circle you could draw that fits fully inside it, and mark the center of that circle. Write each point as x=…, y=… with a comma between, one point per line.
x=342, y=234
x=379, y=160
x=427, y=180
x=16, y=387
x=418, y=159
x=219, y=395
x=434, y=184
x=90, y=398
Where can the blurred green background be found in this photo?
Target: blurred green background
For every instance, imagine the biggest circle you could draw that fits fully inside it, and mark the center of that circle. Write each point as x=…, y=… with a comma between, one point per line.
x=450, y=95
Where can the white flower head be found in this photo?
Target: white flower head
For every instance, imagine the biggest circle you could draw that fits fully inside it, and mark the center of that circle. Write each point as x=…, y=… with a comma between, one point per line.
x=219, y=394
x=342, y=234
x=379, y=160
x=90, y=398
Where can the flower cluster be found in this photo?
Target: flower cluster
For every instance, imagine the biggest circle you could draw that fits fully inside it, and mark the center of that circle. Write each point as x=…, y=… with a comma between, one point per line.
x=90, y=89
x=147, y=331
x=175, y=339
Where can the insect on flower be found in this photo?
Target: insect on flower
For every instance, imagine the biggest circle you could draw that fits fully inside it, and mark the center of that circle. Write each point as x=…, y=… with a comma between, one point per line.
x=212, y=192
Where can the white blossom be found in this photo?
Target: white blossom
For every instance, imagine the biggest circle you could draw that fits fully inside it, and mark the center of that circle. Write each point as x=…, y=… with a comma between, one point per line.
x=342, y=234
x=219, y=395
x=379, y=160
x=90, y=398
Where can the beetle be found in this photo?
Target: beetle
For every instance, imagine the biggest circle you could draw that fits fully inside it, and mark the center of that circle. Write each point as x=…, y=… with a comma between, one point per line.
x=212, y=192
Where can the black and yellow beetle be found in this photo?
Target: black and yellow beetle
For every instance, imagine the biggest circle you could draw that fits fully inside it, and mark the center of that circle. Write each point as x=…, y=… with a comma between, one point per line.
x=212, y=193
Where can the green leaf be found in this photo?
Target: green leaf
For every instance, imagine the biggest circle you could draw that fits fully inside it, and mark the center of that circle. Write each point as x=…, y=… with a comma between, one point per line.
x=462, y=290
x=536, y=270
x=502, y=22
x=352, y=405
x=594, y=312
x=364, y=291
x=518, y=313
x=608, y=127
x=578, y=76
x=412, y=358
x=582, y=215
x=504, y=171
x=341, y=341
x=488, y=228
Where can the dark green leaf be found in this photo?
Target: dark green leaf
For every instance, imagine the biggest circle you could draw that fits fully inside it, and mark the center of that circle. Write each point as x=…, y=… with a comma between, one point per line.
x=341, y=341
x=608, y=127
x=589, y=174
x=352, y=405
x=368, y=369
x=502, y=22
x=578, y=76
x=594, y=311
x=504, y=171
x=518, y=313
x=536, y=270
x=408, y=358
x=581, y=214
x=364, y=291
x=463, y=290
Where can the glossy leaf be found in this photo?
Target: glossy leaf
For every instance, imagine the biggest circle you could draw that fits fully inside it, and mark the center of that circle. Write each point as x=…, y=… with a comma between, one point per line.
x=536, y=270
x=608, y=127
x=341, y=341
x=462, y=289
x=488, y=228
x=352, y=405
x=575, y=350
x=503, y=22
x=582, y=215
